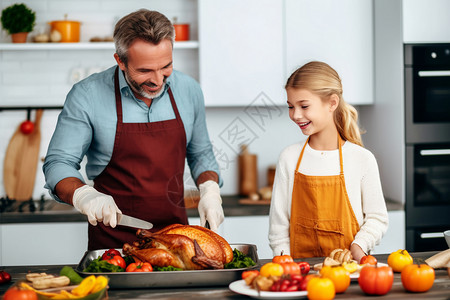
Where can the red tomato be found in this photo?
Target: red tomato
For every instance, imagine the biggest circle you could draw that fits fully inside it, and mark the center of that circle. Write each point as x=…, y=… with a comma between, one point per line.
x=139, y=267
x=368, y=259
x=15, y=293
x=249, y=273
x=281, y=259
x=417, y=278
x=291, y=268
x=118, y=261
x=304, y=267
x=110, y=253
x=376, y=280
x=4, y=277
x=27, y=127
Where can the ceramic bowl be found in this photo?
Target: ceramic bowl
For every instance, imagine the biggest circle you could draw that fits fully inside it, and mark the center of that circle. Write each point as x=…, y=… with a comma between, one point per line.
x=447, y=237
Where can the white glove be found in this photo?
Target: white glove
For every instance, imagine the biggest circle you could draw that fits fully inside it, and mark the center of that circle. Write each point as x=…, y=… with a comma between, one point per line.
x=210, y=205
x=98, y=207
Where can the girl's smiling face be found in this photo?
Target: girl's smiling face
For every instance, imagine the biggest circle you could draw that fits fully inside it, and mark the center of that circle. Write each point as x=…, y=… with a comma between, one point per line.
x=309, y=112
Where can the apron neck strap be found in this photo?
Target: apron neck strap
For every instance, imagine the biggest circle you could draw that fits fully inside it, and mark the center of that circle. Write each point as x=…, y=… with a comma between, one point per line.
x=341, y=161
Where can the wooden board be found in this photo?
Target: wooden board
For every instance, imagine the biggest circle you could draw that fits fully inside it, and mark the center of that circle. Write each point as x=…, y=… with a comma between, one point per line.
x=21, y=160
x=253, y=202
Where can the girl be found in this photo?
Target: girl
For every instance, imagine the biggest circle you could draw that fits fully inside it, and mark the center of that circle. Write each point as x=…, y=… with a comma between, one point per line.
x=327, y=192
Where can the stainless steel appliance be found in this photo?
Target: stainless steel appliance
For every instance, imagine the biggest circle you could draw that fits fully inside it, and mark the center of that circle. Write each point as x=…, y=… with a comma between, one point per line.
x=427, y=144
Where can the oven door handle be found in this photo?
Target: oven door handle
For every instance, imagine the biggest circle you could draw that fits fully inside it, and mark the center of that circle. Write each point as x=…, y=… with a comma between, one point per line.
x=435, y=152
x=433, y=73
x=431, y=235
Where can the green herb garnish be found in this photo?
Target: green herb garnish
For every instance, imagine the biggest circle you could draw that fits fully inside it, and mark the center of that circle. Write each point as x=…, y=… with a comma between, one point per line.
x=99, y=266
x=168, y=268
x=240, y=260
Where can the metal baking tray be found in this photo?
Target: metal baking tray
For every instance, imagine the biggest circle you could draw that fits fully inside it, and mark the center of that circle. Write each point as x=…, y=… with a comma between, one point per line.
x=170, y=279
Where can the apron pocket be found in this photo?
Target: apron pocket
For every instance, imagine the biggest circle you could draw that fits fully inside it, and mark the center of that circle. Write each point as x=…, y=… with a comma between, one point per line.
x=304, y=241
x=316, y=237
x=330, y=235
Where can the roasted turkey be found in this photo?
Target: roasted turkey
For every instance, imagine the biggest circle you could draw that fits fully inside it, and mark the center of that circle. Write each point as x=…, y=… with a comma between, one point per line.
x=187, y=247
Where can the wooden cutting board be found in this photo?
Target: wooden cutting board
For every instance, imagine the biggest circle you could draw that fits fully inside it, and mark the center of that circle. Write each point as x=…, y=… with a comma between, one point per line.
x=21, y=161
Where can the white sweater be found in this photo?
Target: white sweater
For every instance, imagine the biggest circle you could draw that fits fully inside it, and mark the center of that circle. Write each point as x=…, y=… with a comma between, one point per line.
x=362, y=181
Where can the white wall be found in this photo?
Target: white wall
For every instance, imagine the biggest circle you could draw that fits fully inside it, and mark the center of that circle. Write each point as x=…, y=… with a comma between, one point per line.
x=384, y=121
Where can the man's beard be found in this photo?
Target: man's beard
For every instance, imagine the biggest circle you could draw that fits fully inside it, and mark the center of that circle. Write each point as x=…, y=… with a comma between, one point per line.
x=138, y=88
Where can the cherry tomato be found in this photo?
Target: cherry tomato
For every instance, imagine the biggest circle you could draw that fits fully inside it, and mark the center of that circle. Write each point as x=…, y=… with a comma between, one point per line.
x=139, y=267
x=249, y=273
x=368, y=259
x=4, y=277
x=304, y=267
x=118, y=261
x=417, y=278
x=306, y=279
x=27, y=127
x=376, y=280
x=110, y=253
x=16, y=293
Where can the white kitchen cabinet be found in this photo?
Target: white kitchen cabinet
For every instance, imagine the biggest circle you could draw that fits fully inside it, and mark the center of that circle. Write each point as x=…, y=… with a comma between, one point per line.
x=43, y=243
x=339, y=33
x=241, y=52
x=426, y=21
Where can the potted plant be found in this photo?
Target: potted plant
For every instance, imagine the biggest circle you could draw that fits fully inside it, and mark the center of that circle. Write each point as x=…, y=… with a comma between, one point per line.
x=18, y=20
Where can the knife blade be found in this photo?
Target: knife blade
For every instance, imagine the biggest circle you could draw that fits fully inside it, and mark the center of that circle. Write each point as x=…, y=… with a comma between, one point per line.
x=134, y=222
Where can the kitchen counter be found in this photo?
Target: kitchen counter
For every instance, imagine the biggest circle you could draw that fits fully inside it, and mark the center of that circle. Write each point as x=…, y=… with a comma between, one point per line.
x=440, y=289
x=52, y=211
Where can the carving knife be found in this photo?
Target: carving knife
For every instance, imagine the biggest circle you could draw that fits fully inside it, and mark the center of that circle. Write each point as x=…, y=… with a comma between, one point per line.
x=134, y=222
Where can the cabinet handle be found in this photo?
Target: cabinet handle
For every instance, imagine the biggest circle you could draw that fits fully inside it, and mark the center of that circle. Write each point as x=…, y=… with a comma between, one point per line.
x=433, y=73
x=435, y=152
x=431, y=235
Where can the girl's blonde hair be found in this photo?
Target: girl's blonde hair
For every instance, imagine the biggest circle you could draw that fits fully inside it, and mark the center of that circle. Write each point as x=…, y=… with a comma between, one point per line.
x=322, y=80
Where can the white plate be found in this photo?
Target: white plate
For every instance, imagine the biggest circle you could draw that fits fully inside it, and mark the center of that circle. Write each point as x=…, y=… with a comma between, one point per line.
x=355, y=275
x=240, y=287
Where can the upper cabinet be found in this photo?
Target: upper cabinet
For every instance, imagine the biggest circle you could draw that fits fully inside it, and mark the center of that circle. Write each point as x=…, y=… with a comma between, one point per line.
x=241, y=51
x=426, y=21
x=339, y=33
x=251, y=47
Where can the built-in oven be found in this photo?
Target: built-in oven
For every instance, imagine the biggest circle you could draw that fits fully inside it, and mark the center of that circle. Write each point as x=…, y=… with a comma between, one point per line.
x=427, y=93
x=427, y=145
x=427, y=196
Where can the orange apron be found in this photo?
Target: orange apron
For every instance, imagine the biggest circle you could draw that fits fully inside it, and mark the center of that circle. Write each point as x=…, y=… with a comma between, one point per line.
x=322, y=218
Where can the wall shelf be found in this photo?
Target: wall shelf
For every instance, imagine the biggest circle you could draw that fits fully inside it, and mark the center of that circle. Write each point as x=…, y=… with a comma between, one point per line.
x=80, y=46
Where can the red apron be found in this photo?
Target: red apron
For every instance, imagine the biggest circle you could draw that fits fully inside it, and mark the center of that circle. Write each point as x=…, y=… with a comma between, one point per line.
x=144, y=176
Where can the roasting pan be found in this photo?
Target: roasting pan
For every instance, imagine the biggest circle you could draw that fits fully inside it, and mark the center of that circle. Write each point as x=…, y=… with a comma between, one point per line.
x=170, y=279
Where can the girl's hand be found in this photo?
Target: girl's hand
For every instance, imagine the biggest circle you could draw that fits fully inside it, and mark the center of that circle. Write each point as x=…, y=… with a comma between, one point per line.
x=357, y=252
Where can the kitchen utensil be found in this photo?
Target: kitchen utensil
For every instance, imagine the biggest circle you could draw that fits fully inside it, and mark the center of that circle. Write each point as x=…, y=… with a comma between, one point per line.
x=69, y=30
x=21, y=160
x=170, y=279
x=181, y=31
x=134, y=222
x=248, y=172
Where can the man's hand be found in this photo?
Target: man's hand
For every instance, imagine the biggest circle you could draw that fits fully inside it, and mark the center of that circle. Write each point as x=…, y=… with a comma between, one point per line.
x=210, y=205
x=98, y=207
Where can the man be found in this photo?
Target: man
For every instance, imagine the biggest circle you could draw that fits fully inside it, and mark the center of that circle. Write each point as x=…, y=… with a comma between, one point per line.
x=136, y=123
